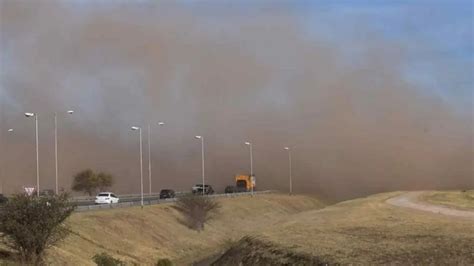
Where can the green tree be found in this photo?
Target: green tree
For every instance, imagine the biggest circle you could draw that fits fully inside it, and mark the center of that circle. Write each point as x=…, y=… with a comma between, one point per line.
x=104, y=181
x=89, y=182
x=30, y=224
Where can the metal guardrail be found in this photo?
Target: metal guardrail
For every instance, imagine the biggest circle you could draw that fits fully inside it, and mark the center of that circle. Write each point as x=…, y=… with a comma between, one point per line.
x=159, y=201
x=125, y=196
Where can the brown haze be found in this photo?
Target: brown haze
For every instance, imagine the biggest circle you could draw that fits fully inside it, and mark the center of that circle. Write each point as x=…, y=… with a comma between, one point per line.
x=356, y=125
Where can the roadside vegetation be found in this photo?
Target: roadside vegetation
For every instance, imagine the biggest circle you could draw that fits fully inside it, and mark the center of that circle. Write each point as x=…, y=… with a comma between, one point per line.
x=89, y=182
x=104, y=259
x=29, y=225
x=196, y=210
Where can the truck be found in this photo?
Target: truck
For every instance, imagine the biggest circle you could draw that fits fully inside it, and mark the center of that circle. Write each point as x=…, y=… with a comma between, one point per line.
x=243, y=183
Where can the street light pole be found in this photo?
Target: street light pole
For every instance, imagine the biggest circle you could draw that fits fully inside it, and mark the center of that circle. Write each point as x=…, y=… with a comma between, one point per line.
x=37, y=157
x=56, y=151
x=149, y=160
x=56, y=148
x=10, y=131
x=252, y=177
x=289, y=164
x=37, y=151
x=141, y=163
x=202, y=161
x=149, y=155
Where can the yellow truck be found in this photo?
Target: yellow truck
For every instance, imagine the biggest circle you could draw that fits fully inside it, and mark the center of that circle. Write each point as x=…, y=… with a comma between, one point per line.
x=243, y=183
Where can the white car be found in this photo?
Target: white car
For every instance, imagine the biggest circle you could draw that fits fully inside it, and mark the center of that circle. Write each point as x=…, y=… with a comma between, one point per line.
x=106, y=198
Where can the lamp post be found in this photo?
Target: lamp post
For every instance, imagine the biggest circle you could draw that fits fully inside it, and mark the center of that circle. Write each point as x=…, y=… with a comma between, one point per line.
x=56, y=148
x=289, y=165
x=141, y=163
x=10, y=131
x=149, y=155
x=37, y=151
x=202, y=161
x=252, y=177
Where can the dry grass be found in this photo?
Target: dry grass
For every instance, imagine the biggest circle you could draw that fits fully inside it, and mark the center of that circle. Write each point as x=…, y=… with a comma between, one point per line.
x=455, y=199
x=143, y=236
x=368, y=231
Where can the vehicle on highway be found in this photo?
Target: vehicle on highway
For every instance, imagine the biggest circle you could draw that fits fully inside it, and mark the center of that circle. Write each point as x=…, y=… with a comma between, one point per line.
x=106, y=198
x=47, y=192
x=3, y=199
x=243, y=183
x=167, y=194
x=208, y=190
x=229, y=189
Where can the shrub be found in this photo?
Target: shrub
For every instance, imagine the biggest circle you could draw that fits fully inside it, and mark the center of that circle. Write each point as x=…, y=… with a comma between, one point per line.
x=196, y=210
x=164, y=262
x=30, y=224
x=104, y=259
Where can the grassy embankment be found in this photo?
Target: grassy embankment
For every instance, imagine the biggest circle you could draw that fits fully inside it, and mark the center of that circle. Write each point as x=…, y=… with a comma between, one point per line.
x=143, y=236
x=369, y=231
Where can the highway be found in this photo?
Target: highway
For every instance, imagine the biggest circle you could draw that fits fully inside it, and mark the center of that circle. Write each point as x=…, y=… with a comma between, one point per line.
x=87, y=203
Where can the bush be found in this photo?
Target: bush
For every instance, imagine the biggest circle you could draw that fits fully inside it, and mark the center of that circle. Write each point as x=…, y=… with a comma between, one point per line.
x=30, y=224
x=164, y=262
x=104, y=259
x=196, y=210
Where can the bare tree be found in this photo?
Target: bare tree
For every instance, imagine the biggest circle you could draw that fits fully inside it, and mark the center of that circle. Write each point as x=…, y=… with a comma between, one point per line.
x=196, y=210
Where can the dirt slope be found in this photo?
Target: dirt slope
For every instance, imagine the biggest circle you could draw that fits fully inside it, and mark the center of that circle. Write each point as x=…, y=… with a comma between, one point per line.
x=143, y=236
x=369, y=231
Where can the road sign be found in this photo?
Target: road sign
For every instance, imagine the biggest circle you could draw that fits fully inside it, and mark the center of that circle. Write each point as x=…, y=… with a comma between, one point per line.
x=29, y=190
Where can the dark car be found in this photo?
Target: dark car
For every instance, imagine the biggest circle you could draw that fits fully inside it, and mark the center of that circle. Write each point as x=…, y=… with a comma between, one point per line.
x=3, y=199
x=229, y=189
x=208, y=190
x=167, y=194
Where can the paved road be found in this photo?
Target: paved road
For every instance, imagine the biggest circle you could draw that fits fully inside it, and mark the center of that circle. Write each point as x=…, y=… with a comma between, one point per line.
x=136, y=201
x=411, y=200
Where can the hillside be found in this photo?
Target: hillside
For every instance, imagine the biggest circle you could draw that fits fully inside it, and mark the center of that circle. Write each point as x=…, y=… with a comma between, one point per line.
x=454, y=199
x=143, y=236
x=366, y=231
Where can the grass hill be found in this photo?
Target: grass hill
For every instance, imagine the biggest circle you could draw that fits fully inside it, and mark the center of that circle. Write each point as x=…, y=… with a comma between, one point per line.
x=143, y=235
x=366, y=231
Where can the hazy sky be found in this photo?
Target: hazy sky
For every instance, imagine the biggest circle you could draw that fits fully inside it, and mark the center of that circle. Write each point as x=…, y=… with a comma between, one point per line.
x=376, y=95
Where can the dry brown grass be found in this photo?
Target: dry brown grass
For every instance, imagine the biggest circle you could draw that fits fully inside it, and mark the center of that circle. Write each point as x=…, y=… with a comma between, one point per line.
x=455, y=199
x=142, y=236
x=368, y=231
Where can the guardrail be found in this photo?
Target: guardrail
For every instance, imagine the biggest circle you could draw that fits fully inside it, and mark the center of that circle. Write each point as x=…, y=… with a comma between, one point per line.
x=87, y=200
x=124, y=196
x=159, y=201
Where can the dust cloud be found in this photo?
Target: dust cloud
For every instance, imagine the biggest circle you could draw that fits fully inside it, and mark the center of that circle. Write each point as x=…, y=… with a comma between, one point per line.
x=355, y=124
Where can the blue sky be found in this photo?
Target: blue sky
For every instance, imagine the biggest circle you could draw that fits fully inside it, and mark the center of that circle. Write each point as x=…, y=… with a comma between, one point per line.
x=436, y=35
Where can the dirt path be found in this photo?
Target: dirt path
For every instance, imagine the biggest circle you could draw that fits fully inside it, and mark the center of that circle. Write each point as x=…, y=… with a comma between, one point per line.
x=410, y=200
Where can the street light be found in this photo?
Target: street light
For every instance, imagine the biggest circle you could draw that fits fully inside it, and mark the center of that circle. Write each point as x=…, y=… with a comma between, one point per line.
x=37, y=150
x=289, y=161
x=202, y=159
x=141, y=162
x=149, y=155
x=252, y=178
x=56, y=148
x=10, y=130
